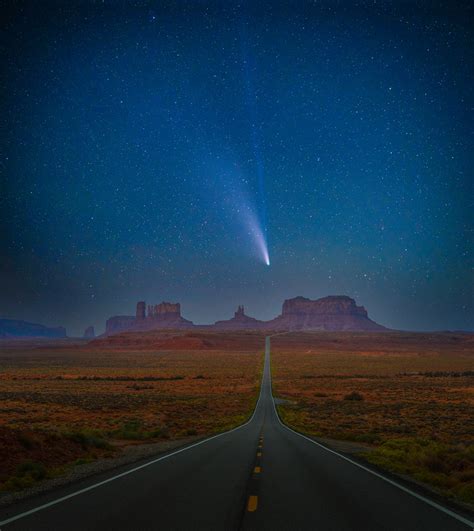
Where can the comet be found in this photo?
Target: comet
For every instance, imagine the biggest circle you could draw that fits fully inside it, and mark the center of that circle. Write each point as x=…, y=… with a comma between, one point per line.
x=259, y=230
x=257, y=233
x=240, y=188
x=262, y=246
x=235, y=194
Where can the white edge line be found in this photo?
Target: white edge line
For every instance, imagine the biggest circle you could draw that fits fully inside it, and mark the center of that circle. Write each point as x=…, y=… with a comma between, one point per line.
x=457, y=516
x=113, y=478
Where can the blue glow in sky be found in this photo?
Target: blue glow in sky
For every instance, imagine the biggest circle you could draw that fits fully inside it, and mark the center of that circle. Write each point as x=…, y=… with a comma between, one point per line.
x=169, y=152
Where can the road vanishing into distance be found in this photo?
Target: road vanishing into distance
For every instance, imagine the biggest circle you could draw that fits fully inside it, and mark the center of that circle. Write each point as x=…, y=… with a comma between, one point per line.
x=260, y=476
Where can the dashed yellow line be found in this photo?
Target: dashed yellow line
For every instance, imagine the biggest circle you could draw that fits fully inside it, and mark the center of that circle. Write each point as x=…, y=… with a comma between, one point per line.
x=252, y=504
x=259, y=454
x=257, y=470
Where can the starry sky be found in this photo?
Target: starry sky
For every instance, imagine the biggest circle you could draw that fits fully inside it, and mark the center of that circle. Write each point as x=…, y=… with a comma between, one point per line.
x=157, y=151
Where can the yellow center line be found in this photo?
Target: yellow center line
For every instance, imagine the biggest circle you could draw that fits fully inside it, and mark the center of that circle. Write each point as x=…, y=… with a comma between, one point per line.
x=252, y=504
x=257, y=470
x=259, y=454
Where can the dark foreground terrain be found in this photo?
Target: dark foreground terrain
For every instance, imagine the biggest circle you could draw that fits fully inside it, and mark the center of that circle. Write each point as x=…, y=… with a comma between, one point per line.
x=260, y=476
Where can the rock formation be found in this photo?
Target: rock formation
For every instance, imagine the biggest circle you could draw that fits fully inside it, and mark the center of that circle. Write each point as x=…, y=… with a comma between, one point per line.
x=329, y=313
x=11, y=328
x=141, y=307
x=164, y=315
x=119, y=323
x=240, y=321
x=165, y=308
x=89, y=332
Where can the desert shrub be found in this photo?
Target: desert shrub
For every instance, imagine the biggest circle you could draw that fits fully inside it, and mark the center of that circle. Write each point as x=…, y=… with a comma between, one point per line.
x=33, y=469
x=320, y=395
x=449, y=468
x=26, y=475
x=132, y=430
x=191, y=431
x=465, y=492
x=161, y=432
x=370, y=438
x=17, y=483
x=401, y=455
x=88, y=439
x=354, y=396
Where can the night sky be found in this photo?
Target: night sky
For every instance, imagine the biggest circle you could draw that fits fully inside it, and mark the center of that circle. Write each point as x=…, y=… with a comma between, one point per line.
x=158, y=152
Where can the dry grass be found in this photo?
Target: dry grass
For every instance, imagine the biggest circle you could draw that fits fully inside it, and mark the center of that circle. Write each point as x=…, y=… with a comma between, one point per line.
x=410, y=397
x=90, y=403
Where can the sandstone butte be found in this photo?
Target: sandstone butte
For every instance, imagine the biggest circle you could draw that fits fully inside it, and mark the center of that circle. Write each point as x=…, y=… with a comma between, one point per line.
x=89, y=332
x=333, y=313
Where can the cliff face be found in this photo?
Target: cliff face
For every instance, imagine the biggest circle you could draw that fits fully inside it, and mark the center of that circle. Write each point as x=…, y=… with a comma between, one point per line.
x=333, y=305
x=119, y=323
x=10, y=328
x=329, y=313
x=164, y=315
x=164, y=308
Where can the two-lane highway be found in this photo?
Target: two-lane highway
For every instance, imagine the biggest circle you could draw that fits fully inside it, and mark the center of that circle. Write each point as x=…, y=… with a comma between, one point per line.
x=261, y=475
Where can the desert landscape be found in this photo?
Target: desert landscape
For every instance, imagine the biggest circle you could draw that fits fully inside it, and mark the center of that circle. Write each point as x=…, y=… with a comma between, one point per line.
x=236, y=286
x=65, y=404
x=401, y=401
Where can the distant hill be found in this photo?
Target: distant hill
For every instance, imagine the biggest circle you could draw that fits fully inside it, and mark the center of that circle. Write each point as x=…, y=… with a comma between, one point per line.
x=11, y=328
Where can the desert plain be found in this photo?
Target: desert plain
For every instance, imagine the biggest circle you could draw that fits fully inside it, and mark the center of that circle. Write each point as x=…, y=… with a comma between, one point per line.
x=401, y=402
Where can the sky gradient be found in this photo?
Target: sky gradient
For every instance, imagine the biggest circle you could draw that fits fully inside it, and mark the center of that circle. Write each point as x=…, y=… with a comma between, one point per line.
x=154, y=153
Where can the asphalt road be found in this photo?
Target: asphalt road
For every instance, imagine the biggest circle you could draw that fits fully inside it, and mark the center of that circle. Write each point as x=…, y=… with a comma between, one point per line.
x=259, y=476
